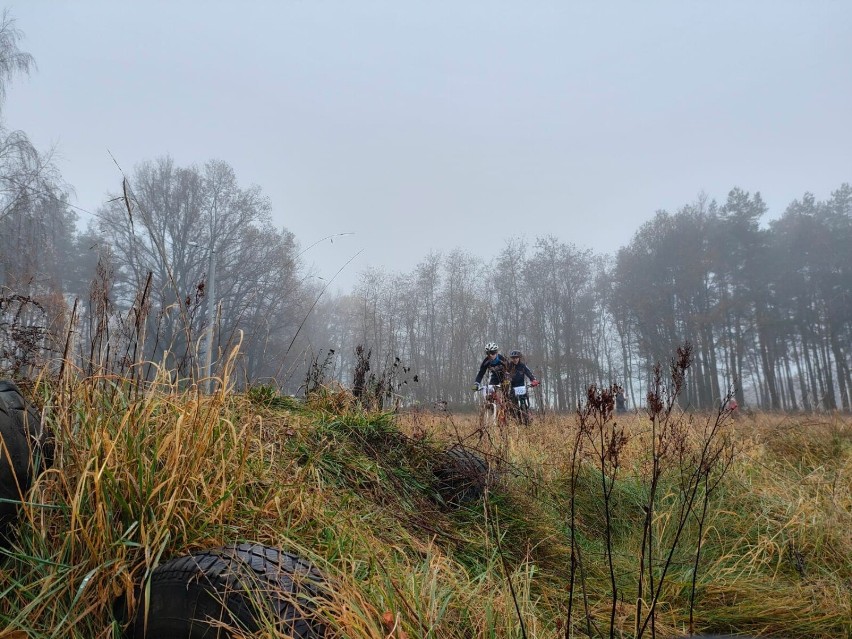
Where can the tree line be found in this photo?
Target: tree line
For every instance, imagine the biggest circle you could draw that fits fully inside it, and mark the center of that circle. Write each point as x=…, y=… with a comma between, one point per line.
x=767, y=310
x=766, y=307
x=132, y=284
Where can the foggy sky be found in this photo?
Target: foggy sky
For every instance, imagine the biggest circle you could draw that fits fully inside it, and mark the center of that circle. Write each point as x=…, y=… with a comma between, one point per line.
x=426, y=126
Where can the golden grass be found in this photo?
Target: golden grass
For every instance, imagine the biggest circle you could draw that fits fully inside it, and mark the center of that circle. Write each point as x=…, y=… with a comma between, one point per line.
x=141, y=478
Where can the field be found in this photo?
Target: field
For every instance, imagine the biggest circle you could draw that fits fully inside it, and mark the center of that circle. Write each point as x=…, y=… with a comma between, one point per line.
x=140, y=478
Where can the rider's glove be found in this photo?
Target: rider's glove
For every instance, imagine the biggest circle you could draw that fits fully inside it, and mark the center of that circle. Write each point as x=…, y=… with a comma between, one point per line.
x=534, y=383
x=475, y=387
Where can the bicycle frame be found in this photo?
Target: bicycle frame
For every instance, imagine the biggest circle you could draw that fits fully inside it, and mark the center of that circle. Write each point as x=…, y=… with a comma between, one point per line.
x=492, y=406
x=520, y=400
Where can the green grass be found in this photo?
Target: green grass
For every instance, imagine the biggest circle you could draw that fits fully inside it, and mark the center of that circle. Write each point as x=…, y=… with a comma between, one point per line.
x=141, y=478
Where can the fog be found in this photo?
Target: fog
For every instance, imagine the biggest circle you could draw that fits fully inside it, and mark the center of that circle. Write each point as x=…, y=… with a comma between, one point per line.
x=428, y=127
x=595, y=186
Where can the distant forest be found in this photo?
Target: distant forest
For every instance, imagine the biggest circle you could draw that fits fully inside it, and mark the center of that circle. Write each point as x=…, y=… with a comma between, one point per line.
x=767, y=308
x=768, y=311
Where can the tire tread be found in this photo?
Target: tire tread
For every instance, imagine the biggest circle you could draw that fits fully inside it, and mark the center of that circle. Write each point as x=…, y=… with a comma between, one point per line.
x=232, y=573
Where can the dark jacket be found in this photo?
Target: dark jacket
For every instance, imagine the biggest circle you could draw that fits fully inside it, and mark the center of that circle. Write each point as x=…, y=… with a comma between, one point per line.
x=518, y=372
x=497, y=367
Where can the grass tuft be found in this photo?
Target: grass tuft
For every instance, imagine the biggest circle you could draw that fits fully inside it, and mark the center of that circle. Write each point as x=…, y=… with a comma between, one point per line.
x=142, y=477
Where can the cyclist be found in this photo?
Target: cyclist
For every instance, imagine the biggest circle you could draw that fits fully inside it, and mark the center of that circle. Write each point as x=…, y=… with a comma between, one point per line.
x=516, y=371
x=492, y=408
x=494, y=364
x=620, y=400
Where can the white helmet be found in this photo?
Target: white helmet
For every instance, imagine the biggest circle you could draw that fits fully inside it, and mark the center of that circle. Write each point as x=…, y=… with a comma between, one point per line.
x=491, y=347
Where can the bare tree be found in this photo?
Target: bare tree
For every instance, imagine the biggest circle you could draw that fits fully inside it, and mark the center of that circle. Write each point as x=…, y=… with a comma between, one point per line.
x=36, y=223
x=171, y=222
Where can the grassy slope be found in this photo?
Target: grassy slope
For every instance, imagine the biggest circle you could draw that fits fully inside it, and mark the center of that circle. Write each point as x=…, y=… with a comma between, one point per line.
x=142, y=479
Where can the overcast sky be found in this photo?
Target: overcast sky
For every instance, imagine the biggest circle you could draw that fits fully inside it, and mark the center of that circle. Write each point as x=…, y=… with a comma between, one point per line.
x=430, y=125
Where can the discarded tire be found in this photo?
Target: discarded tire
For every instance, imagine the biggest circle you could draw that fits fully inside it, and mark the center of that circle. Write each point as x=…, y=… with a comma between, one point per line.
x=240, y=588
x=462, y=475
x=25, y=450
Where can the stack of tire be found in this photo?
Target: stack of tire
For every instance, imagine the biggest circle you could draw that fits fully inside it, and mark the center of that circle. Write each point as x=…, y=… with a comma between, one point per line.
x=230, y=591
x=26, y=449
x=462, y=475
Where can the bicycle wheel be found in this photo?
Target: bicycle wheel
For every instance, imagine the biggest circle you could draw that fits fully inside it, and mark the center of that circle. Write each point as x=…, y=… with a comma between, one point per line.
x=500, y=409
x=487, y=412
x=502, y=418
x=524, y=411
x=487, y=415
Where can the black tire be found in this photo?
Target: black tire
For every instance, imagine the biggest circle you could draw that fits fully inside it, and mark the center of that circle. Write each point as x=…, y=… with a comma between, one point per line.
x=524, y=410
x=242, y=587
x=25, y=450
x=462, y=475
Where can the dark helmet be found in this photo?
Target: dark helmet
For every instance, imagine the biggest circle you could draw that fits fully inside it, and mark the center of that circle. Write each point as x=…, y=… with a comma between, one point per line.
x=516, y=354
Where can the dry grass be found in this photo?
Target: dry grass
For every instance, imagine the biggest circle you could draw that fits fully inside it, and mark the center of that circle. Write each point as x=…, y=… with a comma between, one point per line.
x=777, y=555
x=141, y=478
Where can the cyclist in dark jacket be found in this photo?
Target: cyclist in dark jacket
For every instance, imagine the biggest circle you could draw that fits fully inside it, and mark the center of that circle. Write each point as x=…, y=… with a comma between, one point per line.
x=516, y=371
x=494, y=363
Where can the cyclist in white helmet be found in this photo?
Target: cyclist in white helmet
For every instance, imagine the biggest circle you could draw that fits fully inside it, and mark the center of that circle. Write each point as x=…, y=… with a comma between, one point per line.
x=494, y=363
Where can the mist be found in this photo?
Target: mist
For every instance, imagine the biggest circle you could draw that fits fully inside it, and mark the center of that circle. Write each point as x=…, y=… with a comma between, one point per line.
x=594, y=205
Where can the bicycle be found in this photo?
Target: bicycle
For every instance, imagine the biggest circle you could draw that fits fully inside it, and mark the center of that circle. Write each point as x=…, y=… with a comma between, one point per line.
x=519, y=402
x=492, y=410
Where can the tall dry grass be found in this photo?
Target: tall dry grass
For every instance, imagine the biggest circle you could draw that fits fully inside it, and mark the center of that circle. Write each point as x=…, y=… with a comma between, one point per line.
x=145, y=476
